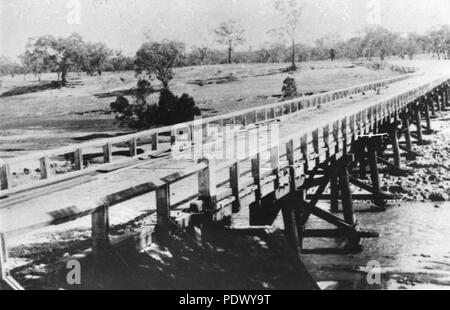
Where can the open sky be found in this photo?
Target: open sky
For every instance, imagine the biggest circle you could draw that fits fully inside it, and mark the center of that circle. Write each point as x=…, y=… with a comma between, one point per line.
x=122, y=24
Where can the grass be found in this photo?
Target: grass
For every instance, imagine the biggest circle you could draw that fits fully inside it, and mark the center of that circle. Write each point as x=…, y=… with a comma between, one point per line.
x=41, y=114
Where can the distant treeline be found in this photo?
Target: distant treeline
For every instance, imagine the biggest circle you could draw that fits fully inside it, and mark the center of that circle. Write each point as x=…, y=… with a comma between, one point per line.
x=61, y=55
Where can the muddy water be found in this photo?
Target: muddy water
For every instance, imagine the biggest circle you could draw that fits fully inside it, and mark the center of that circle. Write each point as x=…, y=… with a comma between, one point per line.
x=413, y=250
x=28, y=135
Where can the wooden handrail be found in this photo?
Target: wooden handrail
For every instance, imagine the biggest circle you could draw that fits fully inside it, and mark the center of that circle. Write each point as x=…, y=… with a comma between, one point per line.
x=309, y=144
x=166, y=129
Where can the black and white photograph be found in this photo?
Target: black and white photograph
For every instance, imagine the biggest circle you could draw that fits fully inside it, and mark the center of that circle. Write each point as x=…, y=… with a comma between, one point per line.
x=224, y=150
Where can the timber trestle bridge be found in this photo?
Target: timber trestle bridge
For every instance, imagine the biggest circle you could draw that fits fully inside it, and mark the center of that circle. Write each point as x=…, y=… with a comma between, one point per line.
x=283, y=157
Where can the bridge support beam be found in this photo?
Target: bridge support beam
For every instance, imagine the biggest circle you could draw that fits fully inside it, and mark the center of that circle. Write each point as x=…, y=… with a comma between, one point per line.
x=427, y=115
x=418, y=125
x=442, y=99
x=100, y=233
x=431, y=103
x=293, y=227
x=410, y=154
x=372, y=144
x=448, y=93
x=395, y=144
x=7, y=282
x=334, y=191
x=346, y=194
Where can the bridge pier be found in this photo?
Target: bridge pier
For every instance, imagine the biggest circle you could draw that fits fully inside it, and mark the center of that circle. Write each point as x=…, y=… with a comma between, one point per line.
x=426, y=106
x=418, y=123
x=346, y=194
x=442, y=99
x=100, y=234
x=374, y=174
x=431, y=103
x=447, y=86
x=7, y=282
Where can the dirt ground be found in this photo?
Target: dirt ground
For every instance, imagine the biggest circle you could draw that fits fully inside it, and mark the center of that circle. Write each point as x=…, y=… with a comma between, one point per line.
x=36, y=115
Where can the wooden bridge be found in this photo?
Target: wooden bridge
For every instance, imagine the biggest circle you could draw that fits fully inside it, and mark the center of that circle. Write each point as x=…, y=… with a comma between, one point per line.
x=286, y=156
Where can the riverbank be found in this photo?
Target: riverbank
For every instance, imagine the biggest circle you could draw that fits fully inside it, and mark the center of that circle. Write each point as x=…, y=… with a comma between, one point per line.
x=429, y=174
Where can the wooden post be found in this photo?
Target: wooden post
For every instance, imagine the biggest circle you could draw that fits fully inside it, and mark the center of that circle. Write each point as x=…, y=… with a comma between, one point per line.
x=407, y=131
x=163, y=212
x=334, y=189
x=419, y=126
x=290, y=152
x=155, y=141
x=362, y=158
x=395, y=144
x=133, y=146
x=344, y=135
x=247, y=144
x=346, y=194
x=220, y=123
x=444, y=97
x=304, y=150
x=207, y=183
x=374, y=175
x=336, y=135
x=5, y=177
x=266, y=114
x=100, y=232
x=3, y=258
x=436, y=101
x=292, y=158
x=290, y=225
x=442, y=100
x=235, y=185
x=78, y=161
x=44, y=163
x=427, y=115
x=107, y=153
x=275, y=163
x=431, y=103
x=448, y=93
x=256, y=174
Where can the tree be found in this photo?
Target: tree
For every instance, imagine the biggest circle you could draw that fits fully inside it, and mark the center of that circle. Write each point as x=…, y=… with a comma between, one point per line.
x=58, y=53
x=410, y=45
x=120, y=62
x=231, y=34
x=380, y=42
x=198, y=55
x=7, y=66
x=291, y=10
x=140, y=115
x=440, y=41
x=96, y=57
x=158, y=59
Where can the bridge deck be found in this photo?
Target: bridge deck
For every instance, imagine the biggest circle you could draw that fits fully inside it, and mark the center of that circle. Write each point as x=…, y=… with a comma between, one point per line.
x=80, y=196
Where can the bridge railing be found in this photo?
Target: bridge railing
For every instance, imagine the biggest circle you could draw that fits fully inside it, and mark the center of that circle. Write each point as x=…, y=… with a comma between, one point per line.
x=46, y=167
x=301, y=150
x=280, y=173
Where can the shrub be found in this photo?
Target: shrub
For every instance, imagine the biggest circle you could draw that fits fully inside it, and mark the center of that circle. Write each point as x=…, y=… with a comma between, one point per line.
x=289, y=88
x=141, y=115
